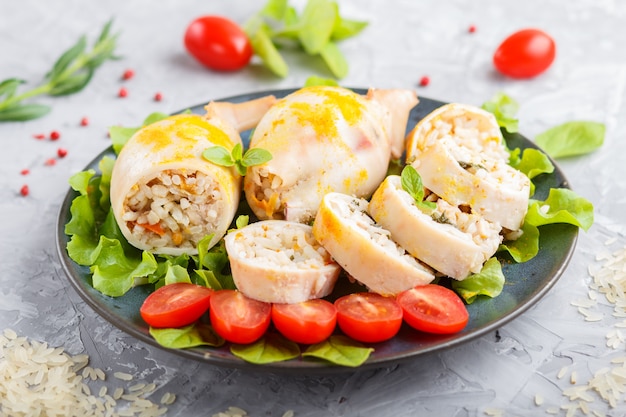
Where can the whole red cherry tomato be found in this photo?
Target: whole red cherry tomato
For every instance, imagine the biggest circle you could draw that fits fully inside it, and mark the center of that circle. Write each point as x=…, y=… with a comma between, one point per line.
x=218, y=43
x=525, y=54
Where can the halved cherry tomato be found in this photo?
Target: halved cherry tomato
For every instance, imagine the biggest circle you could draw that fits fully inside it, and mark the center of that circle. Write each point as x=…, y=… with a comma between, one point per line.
x=218, y=43
x=368, y=317
x=237, y=318
x=434, y=309
x=525, y=54
x=308, y=322
x=175, y=305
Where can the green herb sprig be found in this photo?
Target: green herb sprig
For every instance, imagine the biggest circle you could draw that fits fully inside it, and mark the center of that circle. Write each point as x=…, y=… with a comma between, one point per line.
x=221, y=156
x=412, y=183
x=317, y=31
x=70, y=74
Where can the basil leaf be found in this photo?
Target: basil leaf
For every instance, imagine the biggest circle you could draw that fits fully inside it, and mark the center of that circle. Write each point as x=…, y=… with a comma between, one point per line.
x=340, y=350
x=316, y=24
x=259, y=34
x=219, y=155
x=571, y=139
x=504, y=108
x=269, y=349
x=488, y=282
x=347, y=28
x=23, y=112
x=237, y=152
x=411, y=182
x=275, y=9
x=198, y=334
x=334, y=59
x=256, y=156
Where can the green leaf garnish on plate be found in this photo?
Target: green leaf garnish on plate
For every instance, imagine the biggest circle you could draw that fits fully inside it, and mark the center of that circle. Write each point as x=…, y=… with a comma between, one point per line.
x=412, y=183
x=571, y=139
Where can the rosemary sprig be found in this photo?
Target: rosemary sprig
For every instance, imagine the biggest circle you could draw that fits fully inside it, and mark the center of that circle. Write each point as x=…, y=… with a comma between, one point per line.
x=70, y=74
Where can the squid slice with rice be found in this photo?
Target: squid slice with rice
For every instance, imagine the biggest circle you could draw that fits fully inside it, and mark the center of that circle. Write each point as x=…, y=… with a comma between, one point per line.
x=452, y=241
x=365, y=249
x=277, y=261
x=460, y=154
x=164, y=195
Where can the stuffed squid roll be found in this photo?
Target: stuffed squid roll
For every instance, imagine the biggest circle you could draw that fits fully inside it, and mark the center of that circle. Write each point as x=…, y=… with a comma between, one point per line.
x=453, y=242
x=324, y=139
x=365, y=249
x=460, y=154
x=277, y=261
x=165, y=196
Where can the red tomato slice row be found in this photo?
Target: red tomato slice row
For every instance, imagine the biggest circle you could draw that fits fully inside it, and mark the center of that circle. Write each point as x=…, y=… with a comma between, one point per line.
x=434, y=309
x=308, y=322
x=368, y=317
x=175, y=305
x=237, y=318
x=525, y=54
x=218, y=43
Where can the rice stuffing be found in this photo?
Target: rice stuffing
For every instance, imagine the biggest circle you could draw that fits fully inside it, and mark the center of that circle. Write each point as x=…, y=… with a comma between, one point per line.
x=174, y=209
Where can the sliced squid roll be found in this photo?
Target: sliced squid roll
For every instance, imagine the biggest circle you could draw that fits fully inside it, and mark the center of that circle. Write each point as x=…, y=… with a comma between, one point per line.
x=448, y=239
x=365, y=249
x=277, y=261
x=165, y=196
x=324, y=139
x=460, y=154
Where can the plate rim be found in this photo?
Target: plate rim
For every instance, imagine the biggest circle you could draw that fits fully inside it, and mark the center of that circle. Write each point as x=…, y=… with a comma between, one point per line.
x=310, y=366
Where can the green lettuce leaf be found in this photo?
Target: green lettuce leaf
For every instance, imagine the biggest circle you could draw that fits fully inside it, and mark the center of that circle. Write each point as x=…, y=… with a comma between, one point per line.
x=504, y=108
x=561, y=206
x=198, y=334
x=340, y=350
x=571, y=139
x=114, y=273
x=488, y=282
x=271, y=348
x=526, y=246
x=119, y=135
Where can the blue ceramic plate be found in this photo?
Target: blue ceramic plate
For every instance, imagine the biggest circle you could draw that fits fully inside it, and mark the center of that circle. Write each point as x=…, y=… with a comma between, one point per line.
x=525, y=284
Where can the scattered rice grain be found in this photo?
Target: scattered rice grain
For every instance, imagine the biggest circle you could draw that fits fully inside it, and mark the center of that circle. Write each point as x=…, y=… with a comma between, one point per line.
x=123, y=376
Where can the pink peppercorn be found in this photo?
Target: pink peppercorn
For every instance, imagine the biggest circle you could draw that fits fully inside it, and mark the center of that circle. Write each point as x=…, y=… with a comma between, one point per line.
x=39, y=136
x=123, y=92
x=471, y=29
x=424, y=81
x=84, y=121
x=158, y=97
x=54, y=135
x=128, y=74
x=24, y=190
x=25, y=171
x=62, y=152
x=50, y=161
